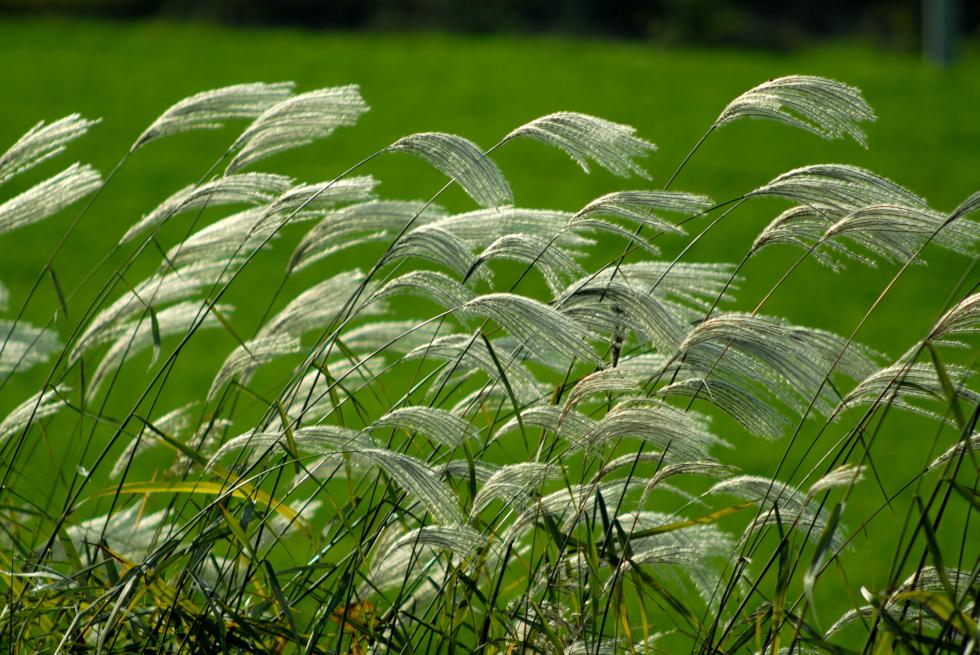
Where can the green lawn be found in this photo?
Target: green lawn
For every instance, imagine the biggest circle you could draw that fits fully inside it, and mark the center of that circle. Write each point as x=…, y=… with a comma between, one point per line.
x=927, y=138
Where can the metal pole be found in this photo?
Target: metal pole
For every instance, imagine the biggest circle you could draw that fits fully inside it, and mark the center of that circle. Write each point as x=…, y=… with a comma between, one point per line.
x=939, y=30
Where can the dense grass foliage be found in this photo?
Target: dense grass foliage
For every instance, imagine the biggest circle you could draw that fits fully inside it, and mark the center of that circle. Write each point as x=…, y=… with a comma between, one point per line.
x=312, y=413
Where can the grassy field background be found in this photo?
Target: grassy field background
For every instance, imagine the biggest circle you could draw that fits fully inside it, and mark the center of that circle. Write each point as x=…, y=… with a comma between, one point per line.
x=927, y=138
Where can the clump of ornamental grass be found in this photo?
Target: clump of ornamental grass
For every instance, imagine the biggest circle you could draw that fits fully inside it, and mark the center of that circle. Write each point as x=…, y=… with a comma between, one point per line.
x=423, y=453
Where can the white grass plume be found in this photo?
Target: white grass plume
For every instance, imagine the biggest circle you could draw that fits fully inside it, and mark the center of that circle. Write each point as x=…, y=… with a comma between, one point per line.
x=541, y=329
x=571, y=425
x=466, y=353
x=207, y=110
x=480, y=228
x=461, y=160
x=397, y=336
x=438, y=287
x=553, y=262
x=297, y=121
x=801, y=356
x=459, y=539
x=804, y=226
x=620, y=379
x=320, y=439
x=904, y=381
x=968, y=206
x=897, y=233
x=436, y=245
x=137, y=335
x=571, y=505
x=174, y=424
x=844, y=475
x=248, y=188
x=234, y=237
x=816, y=104
x=839, y=188
x=250, y=355
x=639, y=207
x=374, y=219
x=307, y=202
x=681, y=435
x=314, y=308
x=962, y=319
x=693, y=284
x=40, y=143
x=442, y=426
x=512, y=484
x=611, y=145
x=756, y=416
x=420, y=481
x=615, y=307
x=972, y=444
x=795, y=509
x=40, y=405
x=157, y=289
x=49, y=197
x=24, y=345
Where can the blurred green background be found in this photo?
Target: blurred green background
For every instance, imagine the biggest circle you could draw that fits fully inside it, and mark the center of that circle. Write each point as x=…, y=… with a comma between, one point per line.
x=927, y=138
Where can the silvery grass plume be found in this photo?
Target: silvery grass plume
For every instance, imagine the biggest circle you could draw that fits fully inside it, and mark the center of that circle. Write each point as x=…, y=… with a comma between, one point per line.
x=209, y=109
x=233, y=237
x=961, y=320
x=615, y=308
x=825, y=107
x=411, y=474
x=903, y=382
x=930, y=578
x=462, y=161
x=970, y=445
x=156, y=290
x=736, y=344
x=572, y=426
x=639, y=207
x=445, y=291
x=586, y=138
x=41, y=405
x=248, y=189
x=679, y=435
x=847, y=212
x=440, y=425
x=143, y=332
x=780, y=503
x=469, y=354
x=431, y=243
x=244, y=359
x=356, y=224
x=541, y=329
x=555, y=264
x=174, y=424
x=49, y=197
x=480, y=228
x=40, y=143
x=130, y=532
x=320, y=439
x=239, y=235
x=316, y=306
x=23, y=346
x=306, y=202
x=295, y=122
x=685, y=286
